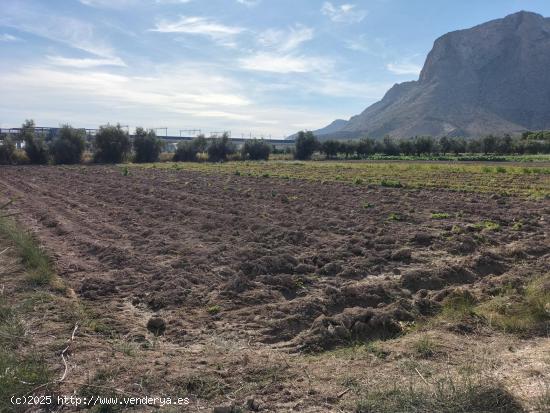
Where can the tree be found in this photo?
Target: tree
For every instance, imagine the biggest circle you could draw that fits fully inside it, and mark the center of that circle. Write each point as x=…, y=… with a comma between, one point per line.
x=390, y=147
x=200, y=143
x=306, y=145
x=348, y=148
x=112, y=144
x=186, y=151
x=505, y=145
x=220, y=148
x=68, y=146
x=256, y=150
x=489, y=144
x=35, y=147
x=330, y=148
x=365, y=147
x=406, y=147
x=147, y=146
x=423, y=145
x=7, y=152
x=445, y=145
x=458, y=146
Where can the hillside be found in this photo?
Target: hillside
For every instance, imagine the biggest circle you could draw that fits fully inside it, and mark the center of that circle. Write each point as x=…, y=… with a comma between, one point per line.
x=492, y=78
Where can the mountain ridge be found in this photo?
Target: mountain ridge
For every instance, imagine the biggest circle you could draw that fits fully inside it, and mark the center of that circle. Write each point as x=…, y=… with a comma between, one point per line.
x=491, y=78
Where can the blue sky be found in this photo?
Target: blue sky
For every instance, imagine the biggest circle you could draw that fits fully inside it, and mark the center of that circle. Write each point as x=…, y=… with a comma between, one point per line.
x=266, y=67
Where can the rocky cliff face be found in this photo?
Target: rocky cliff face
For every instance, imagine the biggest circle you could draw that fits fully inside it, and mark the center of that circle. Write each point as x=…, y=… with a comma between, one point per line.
x=493, y=78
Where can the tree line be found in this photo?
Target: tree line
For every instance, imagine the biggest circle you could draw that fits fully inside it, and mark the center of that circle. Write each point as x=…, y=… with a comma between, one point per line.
x=113, y=144
x=528, y=143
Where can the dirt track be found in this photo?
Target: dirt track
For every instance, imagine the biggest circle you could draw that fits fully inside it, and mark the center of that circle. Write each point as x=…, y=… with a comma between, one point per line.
x=260, y=259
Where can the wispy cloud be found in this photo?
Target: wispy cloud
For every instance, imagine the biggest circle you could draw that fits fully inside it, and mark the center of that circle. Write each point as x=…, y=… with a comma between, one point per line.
x=286, y=40
x=404, y=68
x=62, y=29
x=345, y=13
x=200, y=26
x=5, y=37
x=284, y=63
x=249, y=3
x=197, y=25
x=85, y=62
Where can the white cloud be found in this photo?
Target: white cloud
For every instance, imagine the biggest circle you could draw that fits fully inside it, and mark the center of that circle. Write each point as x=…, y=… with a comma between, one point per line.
x=404, y=68
x=284, y=63
x=66, y=30
x=345, y=13
x=285, y=41
x=85, y=62
x=176, y=96
x=5, y=37
x=249, y=3
x=200, y=26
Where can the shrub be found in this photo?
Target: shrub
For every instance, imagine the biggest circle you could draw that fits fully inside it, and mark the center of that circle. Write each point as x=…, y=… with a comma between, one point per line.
x=220, y=148
x=330, y=148
x=68, y=147
x=306, y=145
x=365, y=147
x=147, y=146
x=112, y=144
x=7, y=152
x=186, y=151
x=256, y=150
x=35, y=147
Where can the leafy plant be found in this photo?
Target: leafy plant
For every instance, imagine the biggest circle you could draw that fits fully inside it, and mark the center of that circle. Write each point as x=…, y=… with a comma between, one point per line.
x=147, y=146
x=112, y=144
x=68, y=147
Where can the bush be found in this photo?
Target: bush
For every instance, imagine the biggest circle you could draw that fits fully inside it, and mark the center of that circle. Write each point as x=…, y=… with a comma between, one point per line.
x=147, y=146
x=112, y=144
x=256, y=150
x=68, y=147
x=220, y=148
x=330, y=148
x=306, y=145
x=365, y=147
x=186, y=151
x=7, y=152
x=35, y=147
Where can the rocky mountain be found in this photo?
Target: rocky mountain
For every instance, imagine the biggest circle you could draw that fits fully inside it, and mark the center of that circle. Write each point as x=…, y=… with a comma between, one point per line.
x=492, y=78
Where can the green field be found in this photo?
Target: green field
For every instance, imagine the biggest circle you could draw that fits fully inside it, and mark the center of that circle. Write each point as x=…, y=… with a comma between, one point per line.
x=505, y=179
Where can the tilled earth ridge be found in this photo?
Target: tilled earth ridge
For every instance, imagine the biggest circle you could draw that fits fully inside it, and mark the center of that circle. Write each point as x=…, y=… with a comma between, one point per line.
x=288, y=263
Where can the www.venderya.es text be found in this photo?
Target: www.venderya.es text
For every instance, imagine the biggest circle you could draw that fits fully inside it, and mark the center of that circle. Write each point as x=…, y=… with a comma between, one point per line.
x=98, y=401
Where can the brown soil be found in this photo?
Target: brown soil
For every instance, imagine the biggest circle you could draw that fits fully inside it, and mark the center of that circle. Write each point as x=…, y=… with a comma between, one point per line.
x=191, y=262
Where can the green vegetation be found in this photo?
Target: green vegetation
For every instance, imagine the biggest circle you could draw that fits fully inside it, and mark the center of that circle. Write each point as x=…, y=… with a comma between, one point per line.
x=463, y=178
x=220, y=148
x=394, y=217
x=440, y=215
x=112, y=144
x=446, y=396
x=256, y=150
x=488, y=225
x=21, y=368
x=520, y=310
x=214, y=309
x=147, y=146
x=35, y=147
x=35, y=260
x=69, y=145
x=306, y=145
x=7, y=152
x=186, y=152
